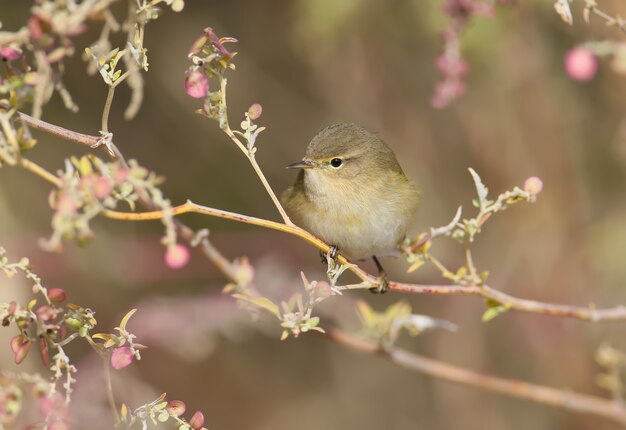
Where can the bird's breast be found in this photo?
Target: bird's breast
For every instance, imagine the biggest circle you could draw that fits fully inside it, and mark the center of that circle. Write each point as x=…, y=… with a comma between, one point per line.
x=361, y=219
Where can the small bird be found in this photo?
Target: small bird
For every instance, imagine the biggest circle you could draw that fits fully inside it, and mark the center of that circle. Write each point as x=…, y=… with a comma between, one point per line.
x=352, y=193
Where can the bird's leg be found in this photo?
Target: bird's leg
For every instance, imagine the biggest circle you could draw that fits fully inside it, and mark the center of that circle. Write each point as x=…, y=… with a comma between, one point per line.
x=383, y=282
x=330, y=255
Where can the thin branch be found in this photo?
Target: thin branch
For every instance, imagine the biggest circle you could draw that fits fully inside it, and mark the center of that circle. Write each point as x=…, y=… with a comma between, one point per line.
x=250, y=155
x=107, y=109
x=10, y=135
x=590, y=314
x=55, y=130
x=40, y=171
x=617, y=21
x=611, y=409
x=565, y=399
x=584, y=313
x=109, y=386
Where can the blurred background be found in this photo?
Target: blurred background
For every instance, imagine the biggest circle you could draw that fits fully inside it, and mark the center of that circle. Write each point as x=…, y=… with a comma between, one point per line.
x=312, y=63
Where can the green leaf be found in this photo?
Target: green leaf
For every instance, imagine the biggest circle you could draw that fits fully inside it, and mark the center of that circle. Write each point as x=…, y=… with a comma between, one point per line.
x=126, y=318
x=480, y=187
x=261, y=302
x=163, y=416
x=313, y=322
x=494, y=310
x=416, y=265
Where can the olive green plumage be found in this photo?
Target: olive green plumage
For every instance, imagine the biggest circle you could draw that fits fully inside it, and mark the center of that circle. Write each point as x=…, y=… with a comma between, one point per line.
x=351, y=192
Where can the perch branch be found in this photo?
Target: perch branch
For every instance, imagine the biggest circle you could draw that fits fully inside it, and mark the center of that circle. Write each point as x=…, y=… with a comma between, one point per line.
x=590, y=313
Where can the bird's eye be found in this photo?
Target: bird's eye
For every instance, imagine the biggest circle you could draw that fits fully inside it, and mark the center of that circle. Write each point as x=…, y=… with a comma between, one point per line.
x=336, y=162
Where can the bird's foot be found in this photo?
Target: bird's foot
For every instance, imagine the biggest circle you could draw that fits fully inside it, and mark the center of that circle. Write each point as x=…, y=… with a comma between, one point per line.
x=383, y=283
x=332, y=253
x=382, y=286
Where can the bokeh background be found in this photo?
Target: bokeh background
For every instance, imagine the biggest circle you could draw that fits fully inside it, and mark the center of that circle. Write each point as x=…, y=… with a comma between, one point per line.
x=311, y=63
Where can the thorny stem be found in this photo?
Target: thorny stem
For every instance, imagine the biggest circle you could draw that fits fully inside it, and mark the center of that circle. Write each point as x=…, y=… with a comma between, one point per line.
x=250, y=155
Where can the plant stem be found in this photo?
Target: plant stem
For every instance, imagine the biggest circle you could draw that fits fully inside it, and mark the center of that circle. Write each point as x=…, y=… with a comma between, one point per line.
x=249, y=154
x=575, y=402
x=55, y=130
x=109, y=389
x=470, y=264
x=9, y=133
x=40, y=171
x=589, y=314
x=107, y=109
x=617, y=313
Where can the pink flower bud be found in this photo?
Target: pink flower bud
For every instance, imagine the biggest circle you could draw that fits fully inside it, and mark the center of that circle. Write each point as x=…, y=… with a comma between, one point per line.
x=45, y=313
x=20, y=345
x=66, y=204
x=533, y=185
x=101, y=187
x=197, y=421
x=451, y=66
x=122, y=357
x=43, y=349
x=10, y=53
x=197, y=84
x=56, y=295
x=120, y=174
x=580, y=64
x=177, y=256
x=34, y=26
x=255, y=111
x=176, y=408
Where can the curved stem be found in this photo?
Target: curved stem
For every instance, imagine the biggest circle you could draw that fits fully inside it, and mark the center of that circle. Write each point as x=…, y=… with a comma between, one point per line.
x=250, y=155
x=590, y=314
x=584, y=313
x=109, y=389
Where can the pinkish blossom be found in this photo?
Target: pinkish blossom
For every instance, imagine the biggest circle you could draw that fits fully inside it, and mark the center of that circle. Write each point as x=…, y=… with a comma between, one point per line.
x=580, y=64
x=197, y=84
x=177, y=256
x=533, y=185
x=10, y=53
x=122, y=357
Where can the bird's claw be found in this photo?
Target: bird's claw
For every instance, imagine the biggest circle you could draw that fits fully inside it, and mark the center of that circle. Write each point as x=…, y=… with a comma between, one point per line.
x=382, y=286
x=332, y=253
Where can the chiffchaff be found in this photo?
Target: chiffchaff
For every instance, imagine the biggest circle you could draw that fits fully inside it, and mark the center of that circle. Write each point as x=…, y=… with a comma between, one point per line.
x=352, y=193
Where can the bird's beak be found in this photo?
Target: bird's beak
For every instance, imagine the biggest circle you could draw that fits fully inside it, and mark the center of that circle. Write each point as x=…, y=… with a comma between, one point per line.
x=304, y=164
